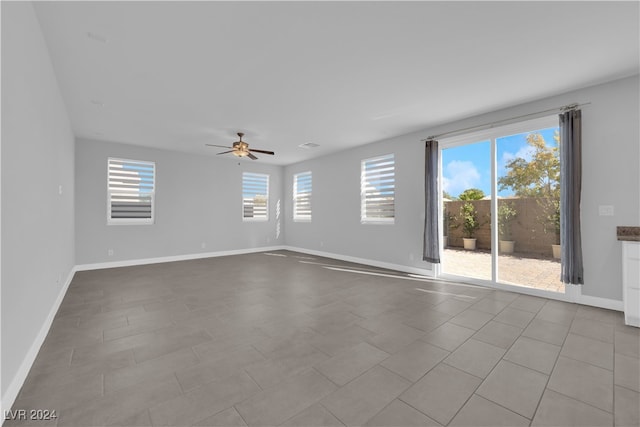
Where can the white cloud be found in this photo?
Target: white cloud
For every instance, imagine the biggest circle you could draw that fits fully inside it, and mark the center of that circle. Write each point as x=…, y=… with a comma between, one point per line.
x=458, y=176
x=525, y=152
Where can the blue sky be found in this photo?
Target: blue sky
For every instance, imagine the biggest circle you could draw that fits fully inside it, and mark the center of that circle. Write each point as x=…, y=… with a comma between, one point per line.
x=145, y=174
x=469, y=166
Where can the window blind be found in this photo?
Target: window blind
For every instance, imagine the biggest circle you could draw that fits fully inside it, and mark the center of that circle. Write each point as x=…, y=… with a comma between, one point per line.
x=302, y=185
x=131, y=190
x=377, y=189
x=255, y=196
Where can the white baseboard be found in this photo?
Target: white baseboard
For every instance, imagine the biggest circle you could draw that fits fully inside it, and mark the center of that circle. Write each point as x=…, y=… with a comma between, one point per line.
x=11, y=394
x=365, y=261
x=610, y=304
x=9, y=397
x=573, y=294
x=187, y=257
x=19, y=378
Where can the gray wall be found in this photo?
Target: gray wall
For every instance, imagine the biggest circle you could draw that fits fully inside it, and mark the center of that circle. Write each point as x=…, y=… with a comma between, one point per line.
x=37, y=157
x=335, y=226
x=611, y=153
x=198, y=200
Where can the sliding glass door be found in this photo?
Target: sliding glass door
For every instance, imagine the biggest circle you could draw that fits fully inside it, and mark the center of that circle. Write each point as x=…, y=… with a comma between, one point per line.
x=500, y=204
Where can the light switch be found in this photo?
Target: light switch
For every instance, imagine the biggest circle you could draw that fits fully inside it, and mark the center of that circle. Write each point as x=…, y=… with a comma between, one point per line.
x=605, y=210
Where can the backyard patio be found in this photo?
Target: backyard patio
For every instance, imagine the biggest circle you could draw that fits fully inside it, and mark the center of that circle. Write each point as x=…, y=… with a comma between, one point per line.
x=515, y=269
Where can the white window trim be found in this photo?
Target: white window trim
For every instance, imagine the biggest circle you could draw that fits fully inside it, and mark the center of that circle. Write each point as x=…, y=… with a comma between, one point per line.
x=254, y=219
x=500, y=131
x=132, y=221
x=376, y=221
x=295, y=217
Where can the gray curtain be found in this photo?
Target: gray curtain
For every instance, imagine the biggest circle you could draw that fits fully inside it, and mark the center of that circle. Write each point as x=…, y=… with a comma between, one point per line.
x=431, y=248
x=570, y=187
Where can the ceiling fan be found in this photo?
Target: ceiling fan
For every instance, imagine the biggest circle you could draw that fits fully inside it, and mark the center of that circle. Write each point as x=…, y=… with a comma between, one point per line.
x=241, y=149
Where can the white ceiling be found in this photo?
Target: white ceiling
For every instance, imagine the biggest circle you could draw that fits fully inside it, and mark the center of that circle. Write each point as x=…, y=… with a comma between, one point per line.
x=177, y=75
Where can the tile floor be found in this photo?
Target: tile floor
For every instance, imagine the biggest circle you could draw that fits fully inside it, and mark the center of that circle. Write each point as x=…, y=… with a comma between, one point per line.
x=288, y=339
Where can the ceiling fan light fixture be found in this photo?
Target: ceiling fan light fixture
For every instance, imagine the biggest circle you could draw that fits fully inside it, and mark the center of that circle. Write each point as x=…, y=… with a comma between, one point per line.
x=241, y=149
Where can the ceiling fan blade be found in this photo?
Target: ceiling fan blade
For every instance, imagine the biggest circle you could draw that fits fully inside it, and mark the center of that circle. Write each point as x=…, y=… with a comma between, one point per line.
x=221, y=146
x=262, y=151
x=252, y=157
x=225, y=152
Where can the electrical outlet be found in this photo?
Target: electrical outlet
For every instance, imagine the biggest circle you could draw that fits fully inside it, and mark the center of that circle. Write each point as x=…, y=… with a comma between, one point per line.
x=411, y=256
x=110, y=252
x=605, y=210
x=60, y=190
x=321, y=243
x=203, y=245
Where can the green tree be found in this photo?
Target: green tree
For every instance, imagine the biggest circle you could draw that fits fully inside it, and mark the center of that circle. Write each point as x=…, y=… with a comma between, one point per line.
x=539, y=178
x=471, y=194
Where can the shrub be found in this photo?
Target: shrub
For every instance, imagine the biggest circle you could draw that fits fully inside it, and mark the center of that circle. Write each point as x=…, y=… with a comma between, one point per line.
x=469, y=216
x=506, y=214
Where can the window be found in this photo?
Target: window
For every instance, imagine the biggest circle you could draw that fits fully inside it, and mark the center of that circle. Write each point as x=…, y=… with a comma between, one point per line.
x=131, y=191
x=255, y=196
x=377, y=190
x=302, y=196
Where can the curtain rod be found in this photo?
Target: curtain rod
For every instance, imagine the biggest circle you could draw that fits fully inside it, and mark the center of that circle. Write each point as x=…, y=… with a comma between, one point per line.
x=492, y=124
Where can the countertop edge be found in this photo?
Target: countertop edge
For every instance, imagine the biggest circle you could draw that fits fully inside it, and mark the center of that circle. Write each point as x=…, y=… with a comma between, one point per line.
x=628, y=233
